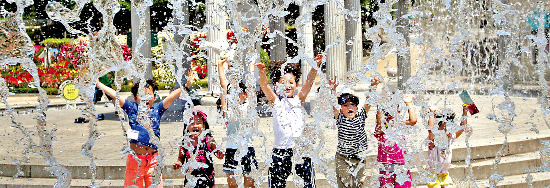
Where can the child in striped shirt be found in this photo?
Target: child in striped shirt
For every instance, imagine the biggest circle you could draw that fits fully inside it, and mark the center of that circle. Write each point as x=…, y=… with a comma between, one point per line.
x=352, y=138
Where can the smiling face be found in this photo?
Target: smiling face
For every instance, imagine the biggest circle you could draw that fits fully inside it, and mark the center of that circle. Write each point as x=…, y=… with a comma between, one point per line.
x=349, y=109
x=288, y=81
x=150, y=96
x=197, y=126
x=242, y=97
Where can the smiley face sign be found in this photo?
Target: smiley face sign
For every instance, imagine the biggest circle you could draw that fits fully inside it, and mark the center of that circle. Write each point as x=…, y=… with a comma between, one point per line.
x=68, y=90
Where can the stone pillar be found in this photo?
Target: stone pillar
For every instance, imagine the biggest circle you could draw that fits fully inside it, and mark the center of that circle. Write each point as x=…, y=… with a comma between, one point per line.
x=278, y=46
x=181, y=17
x=145, y=49
x=354, y=50
x=216, y=22
x=403, y=60
x=335, y=38
x=307, y=32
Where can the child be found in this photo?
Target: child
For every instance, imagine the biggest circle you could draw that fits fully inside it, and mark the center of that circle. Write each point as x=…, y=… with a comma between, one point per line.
x=138, y=174
x=390, y=155
x=201, y=148
x=288, y=120
x=249, y=160
x=439, y=155
x=352, y=138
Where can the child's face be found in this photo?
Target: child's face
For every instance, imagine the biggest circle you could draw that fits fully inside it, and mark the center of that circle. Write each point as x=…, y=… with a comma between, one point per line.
x=150, y=96
x=289, y=82
x=443, y=126
x=349, y=109
x=196, y=126
x=242, y=96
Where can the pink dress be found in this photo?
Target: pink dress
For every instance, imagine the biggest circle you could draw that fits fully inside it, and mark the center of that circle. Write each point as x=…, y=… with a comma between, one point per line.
x=390, y=153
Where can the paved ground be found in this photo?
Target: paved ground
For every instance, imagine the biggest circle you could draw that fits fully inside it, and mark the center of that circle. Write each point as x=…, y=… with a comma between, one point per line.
x=69, y=137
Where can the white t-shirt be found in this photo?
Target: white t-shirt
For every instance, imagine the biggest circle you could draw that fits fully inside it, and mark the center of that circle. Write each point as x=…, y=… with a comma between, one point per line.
x=439, y=158
x=233, y=126
x=288, y=121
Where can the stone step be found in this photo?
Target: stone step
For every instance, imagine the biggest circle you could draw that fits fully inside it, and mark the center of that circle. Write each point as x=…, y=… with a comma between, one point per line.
x=540, y=179
x=511, y=165
x=115, y=169
x=9, y=182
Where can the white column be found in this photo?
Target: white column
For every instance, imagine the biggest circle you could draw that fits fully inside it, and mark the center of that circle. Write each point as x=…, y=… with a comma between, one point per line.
x=278, y=46
x=403, y=61
x=307, y=33
x=145, y=50
x=216, y=21
x=354, y=55
x=335, y=38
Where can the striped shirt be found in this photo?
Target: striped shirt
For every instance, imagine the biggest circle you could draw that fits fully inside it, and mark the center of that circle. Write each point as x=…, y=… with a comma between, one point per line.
x=352, y=138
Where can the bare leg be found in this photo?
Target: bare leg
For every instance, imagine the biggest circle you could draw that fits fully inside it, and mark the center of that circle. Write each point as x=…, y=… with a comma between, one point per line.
x=231, y=182
x=248, y=181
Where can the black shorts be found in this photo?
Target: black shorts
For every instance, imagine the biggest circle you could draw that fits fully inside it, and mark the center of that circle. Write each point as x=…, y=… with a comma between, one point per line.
x=230, y=164
x=281, y=168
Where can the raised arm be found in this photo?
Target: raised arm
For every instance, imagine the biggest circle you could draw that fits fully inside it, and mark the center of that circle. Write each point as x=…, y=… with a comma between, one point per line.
x=379, y=116
x=176, y=93
x=464, y=121
x=310, y=78
x=412, y=115
x=221, y=74
x=268, y=91
x=109, y=92
x=374, y=82
x=223, y=82
x=334, y=84
x=431, y=135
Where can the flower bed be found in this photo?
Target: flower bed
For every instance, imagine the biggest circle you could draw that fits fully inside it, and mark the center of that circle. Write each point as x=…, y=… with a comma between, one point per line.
x=70, y=53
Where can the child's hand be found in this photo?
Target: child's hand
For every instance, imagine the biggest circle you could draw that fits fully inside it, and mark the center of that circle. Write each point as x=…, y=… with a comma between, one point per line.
x=222, y=61
x=408, y=99
x=177, y=165
x=261, y=67
x=375, y=81
x=333, y=82
x=189, y=78
x=465, y=110
x=319, y=59
x=219, y=154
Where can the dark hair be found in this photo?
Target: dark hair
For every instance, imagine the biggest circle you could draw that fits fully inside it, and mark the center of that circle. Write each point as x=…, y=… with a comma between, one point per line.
x=241, y=85
x=445, y=117
x=292, y=68
x=387, y=113
x=206, y=126
x=345, y=97
x=219, y=105
x=148, y=83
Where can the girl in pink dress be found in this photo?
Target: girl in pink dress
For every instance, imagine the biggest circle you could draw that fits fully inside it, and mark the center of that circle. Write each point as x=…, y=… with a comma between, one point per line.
x=390, y=155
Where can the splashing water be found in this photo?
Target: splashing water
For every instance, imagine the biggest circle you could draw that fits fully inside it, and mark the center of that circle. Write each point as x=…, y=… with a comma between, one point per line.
x=497, y=50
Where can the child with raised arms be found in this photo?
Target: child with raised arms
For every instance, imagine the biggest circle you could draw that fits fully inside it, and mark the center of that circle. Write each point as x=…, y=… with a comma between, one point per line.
x=288, y=119
x=352, y=138
x=141, y=174
x=441, y=153
x=248, y=161
x=390, y=154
